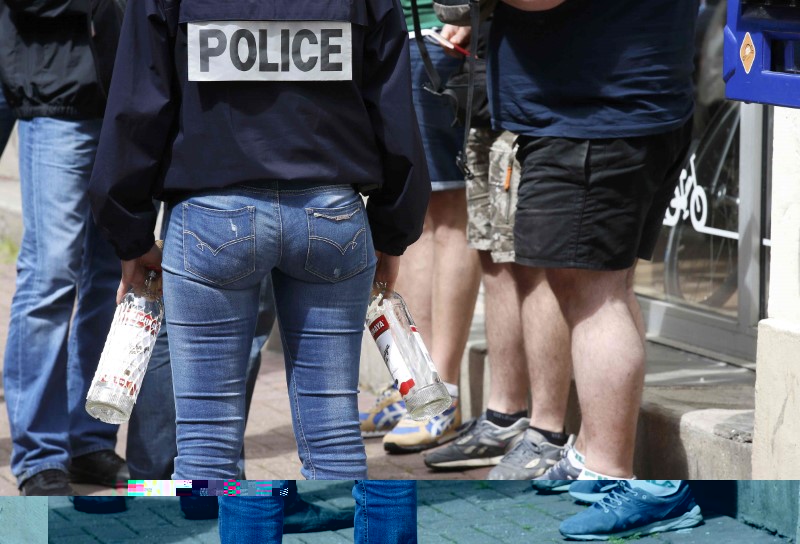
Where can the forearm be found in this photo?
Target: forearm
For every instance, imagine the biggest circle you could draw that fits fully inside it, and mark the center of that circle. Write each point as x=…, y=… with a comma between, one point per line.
x=139, y=123
x=396, y=212
x=534, y=5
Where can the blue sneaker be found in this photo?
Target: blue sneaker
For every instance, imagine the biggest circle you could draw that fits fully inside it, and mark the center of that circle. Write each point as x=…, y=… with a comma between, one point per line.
x=591, y=491
x=627, y=511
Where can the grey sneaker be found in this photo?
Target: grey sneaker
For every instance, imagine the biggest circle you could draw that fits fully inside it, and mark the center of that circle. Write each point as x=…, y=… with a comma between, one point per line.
x=558, y=478
x=529, y=458
x=481, y=444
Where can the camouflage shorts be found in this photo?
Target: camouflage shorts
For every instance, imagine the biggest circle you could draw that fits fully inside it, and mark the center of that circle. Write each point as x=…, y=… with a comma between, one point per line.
x=492, y=192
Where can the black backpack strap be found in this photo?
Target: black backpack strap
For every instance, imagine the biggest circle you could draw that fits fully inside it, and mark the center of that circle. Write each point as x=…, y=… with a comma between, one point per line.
x=430, y=69
x=475, y=22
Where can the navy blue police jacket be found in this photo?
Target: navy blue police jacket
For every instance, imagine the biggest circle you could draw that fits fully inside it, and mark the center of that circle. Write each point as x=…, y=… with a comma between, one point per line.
x=200, y=100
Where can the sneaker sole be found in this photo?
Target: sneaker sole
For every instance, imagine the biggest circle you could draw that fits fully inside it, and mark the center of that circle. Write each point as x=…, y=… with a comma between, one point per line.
x=690, y=519
x=465, y=463
x=553, y=490
x=374, y=434
x=391, y=447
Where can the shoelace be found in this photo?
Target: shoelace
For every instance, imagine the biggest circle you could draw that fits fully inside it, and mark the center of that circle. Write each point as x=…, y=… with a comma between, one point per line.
x=521, y=448
x=617, y=497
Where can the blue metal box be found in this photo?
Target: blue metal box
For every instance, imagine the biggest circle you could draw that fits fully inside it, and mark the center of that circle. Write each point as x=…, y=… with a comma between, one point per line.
x=762, y=52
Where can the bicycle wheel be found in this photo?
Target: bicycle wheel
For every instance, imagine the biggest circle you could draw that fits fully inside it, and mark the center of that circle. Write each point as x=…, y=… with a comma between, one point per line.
x=701, y=268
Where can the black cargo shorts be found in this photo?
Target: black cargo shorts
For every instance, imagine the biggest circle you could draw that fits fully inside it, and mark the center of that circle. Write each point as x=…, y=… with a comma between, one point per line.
x=595, y=204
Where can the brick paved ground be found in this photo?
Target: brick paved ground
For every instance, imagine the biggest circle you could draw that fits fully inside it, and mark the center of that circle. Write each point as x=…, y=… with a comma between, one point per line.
x=467, y=512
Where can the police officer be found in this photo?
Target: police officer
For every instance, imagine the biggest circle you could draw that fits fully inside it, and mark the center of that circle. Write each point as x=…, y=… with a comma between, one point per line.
x=259, y=123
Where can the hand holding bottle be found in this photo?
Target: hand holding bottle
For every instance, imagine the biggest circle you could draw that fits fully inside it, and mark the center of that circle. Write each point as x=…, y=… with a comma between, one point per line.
x=130, y=341
x=134, y=272
x=386, y=270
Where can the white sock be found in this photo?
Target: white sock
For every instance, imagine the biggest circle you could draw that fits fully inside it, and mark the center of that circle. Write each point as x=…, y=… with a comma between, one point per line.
x=452, y=389
x=576, y=458
x=587, y=474
x=658, y=488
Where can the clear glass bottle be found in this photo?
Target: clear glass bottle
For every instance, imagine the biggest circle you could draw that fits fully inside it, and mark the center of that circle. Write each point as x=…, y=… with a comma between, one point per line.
x=405, y=355
x=126, y=353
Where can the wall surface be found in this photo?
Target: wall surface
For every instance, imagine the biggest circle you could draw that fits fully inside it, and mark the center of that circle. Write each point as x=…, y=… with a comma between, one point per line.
x=771, y=505
x=23, y=520
x=776, y=441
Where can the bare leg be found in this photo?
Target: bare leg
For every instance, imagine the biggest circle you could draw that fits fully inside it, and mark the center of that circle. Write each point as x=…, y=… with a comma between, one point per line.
x=633, y=304
x=508, y=390
x=608, y=355
x=415, y=280
x=456, y=279
x=547, y=342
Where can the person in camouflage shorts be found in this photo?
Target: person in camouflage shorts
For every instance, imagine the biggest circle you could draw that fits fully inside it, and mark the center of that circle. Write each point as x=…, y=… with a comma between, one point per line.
x=491, y=205
x=492, y=193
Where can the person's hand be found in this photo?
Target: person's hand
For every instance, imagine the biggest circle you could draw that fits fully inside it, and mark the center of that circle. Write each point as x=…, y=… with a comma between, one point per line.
x=386, y=270
x=458, y=35
x=135, y=272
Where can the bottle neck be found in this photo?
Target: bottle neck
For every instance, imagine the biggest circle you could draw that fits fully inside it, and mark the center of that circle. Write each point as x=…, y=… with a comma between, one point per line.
x=152, y=285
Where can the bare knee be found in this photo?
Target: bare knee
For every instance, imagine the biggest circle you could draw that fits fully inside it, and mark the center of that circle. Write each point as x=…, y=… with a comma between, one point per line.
x=581, y=293
x=528, y=279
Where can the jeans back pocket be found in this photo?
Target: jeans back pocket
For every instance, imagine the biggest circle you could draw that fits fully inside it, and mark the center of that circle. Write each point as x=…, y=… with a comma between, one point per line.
x=337, y=241
x=219, y=245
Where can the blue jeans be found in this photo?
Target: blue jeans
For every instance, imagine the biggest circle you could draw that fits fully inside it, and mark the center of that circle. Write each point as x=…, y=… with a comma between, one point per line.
x=151, y=447
x=7, y=121
x=315, y=243
x=440, y=138
x=51, y=354
x=386, y=513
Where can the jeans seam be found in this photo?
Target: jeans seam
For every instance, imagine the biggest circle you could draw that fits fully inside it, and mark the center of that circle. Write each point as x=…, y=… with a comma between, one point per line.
x=31, y=165
x=365, y=514
x=294, y=400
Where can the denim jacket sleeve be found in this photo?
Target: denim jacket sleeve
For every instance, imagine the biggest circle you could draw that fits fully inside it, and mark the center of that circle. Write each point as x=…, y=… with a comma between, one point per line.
x=397, y=210
x=139, y=124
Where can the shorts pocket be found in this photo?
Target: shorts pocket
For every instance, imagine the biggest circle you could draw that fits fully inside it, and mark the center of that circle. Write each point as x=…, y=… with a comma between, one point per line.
x=337, y=241
x=219, y=245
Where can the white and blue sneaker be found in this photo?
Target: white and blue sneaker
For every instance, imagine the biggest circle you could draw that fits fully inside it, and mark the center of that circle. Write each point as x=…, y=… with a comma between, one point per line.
x=628, y=511
x=388, y=410
x=410, y=436
x=591, y=491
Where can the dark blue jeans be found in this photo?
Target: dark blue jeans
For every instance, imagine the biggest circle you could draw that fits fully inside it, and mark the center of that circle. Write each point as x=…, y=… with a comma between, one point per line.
x=67, y=278
x=386, y=513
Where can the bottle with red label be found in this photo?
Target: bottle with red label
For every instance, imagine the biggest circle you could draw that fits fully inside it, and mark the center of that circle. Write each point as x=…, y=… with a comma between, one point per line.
x=126, y=353
x=404, y=353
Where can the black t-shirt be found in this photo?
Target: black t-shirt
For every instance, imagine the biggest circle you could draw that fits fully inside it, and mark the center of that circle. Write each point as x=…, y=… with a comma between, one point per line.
x=593, y=69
